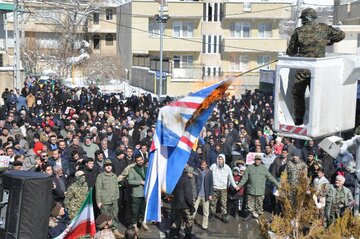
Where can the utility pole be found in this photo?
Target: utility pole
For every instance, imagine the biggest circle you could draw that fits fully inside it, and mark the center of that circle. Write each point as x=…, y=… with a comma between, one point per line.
x=161, y=19
x=161, y=46
x=298, y=12
x=17, y=75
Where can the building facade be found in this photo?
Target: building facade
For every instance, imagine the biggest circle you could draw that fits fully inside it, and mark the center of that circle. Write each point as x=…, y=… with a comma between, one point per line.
x=6, y=48
x=204, y=41
x=53, y=34
x=346, y=16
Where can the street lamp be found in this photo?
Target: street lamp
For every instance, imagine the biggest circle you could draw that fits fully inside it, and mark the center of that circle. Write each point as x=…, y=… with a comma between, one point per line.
x=161, y=19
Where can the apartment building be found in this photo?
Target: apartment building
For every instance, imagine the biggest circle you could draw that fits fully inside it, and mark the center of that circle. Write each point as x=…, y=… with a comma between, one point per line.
x=53, y=31
x=346, y=16
x=6, y=49
x=204, y=41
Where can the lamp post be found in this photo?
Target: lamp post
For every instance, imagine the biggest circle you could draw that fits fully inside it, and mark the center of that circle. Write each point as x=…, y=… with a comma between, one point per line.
x=161, y=19
x=17, y=76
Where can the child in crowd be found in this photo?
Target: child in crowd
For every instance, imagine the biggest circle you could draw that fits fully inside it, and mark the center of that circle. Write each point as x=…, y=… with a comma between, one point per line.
x=236, y=197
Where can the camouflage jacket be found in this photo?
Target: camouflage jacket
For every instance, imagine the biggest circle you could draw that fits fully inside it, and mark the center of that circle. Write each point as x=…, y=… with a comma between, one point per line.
x=333, y=200
x=294, y=171
x=310, y=40
x=75, y=197
x=104, y=234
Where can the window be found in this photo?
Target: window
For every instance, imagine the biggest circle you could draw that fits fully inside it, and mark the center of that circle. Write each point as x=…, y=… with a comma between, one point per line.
x=109, y=38
x=183, y=61
x=154, y=28
x=1, y=60
x=183, y=29
x=211, y=71
x=265, y=30
x=262, y=60
x=212, y=12
x=109, y=14
x=240, y=29
x=96, y=18
x=239, y=63
x=96, y=41
x=211, y=44
x=247, y=7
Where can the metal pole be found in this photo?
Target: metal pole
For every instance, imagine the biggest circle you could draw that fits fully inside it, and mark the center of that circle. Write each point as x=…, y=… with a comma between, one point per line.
x=161, y=46
x=17, y=46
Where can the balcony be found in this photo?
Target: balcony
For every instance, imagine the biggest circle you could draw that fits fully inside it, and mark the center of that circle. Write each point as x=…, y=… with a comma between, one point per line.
x=254, y=44
x=347, y=12
x=186, y=73
x=237, y=10
x=183, y=9
x=191, y=44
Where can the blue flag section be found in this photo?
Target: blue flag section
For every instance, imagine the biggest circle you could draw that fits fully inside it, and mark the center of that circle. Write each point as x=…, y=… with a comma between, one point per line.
x=178, y=127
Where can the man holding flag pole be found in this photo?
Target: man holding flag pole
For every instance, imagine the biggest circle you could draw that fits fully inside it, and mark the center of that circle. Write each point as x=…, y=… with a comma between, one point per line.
x=178, y=126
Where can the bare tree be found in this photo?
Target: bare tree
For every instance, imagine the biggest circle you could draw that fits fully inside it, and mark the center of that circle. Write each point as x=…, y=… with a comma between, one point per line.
x=103, y=68
x=69, y=20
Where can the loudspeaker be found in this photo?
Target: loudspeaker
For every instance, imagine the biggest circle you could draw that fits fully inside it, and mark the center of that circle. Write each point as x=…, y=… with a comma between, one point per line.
x=25, y=205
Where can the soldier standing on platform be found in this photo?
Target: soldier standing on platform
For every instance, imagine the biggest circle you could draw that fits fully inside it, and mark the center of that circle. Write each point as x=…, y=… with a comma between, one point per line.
x=309, y=40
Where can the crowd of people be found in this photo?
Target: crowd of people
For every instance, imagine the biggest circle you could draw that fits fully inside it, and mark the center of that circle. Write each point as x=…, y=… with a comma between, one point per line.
x=84, y=139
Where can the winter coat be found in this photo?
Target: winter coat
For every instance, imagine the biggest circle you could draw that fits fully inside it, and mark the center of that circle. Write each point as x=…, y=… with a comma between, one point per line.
x=208, y=183
x=90, y=150
x=328, y=166
x=232, y=192
x=183, y=194
x=255, y=177
x=119, y=165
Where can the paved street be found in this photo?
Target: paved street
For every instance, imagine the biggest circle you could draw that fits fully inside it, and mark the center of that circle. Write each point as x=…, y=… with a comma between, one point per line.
x=237, y=228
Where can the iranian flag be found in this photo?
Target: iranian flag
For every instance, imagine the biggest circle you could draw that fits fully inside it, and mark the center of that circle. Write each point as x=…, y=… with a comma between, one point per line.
x=83, y=223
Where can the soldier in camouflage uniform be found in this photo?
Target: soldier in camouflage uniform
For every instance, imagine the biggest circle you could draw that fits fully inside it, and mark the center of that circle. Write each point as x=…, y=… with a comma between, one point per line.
x=76, y=194
x=295, y=168
x=338, y=199
x=309, y=40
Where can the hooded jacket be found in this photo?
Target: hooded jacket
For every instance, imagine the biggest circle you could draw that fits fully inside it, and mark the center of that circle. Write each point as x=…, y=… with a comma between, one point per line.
x=222, y=174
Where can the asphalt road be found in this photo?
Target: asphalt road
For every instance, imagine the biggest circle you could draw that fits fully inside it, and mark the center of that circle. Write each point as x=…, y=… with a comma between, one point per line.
x=236, y=228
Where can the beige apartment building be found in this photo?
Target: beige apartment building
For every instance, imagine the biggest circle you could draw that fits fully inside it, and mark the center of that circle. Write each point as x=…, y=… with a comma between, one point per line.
x=6, y=49
x=346, y=16
x=204, y=42
x=47, y=26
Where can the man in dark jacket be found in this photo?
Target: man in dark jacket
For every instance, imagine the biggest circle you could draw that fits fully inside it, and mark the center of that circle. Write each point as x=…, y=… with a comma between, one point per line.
x=90, y=172
x=278, y=166
x=119, y=163
x=182, y=205
x=204, y=190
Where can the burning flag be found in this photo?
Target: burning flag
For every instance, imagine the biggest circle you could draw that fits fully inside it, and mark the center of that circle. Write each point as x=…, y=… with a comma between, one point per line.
x=178, y=126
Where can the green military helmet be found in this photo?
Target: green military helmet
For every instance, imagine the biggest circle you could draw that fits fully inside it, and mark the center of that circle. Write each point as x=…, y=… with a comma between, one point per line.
x=308, y=12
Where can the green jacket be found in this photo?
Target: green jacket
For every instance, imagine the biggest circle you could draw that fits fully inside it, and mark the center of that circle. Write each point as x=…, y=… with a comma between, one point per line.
x=107, y=189
x=136, y=175
x=331, y=199
x=255, y=177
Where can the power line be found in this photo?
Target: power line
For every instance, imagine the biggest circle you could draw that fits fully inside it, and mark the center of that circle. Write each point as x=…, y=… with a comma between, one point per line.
x=170, y=36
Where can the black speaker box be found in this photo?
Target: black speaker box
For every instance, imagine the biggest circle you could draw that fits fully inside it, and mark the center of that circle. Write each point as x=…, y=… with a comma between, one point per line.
x=25, y=205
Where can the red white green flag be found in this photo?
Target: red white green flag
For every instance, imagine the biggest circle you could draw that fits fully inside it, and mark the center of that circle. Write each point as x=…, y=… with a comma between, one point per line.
x=83, y=223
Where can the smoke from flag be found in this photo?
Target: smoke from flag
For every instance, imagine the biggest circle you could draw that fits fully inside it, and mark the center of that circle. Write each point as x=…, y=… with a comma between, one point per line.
x=177, y=129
